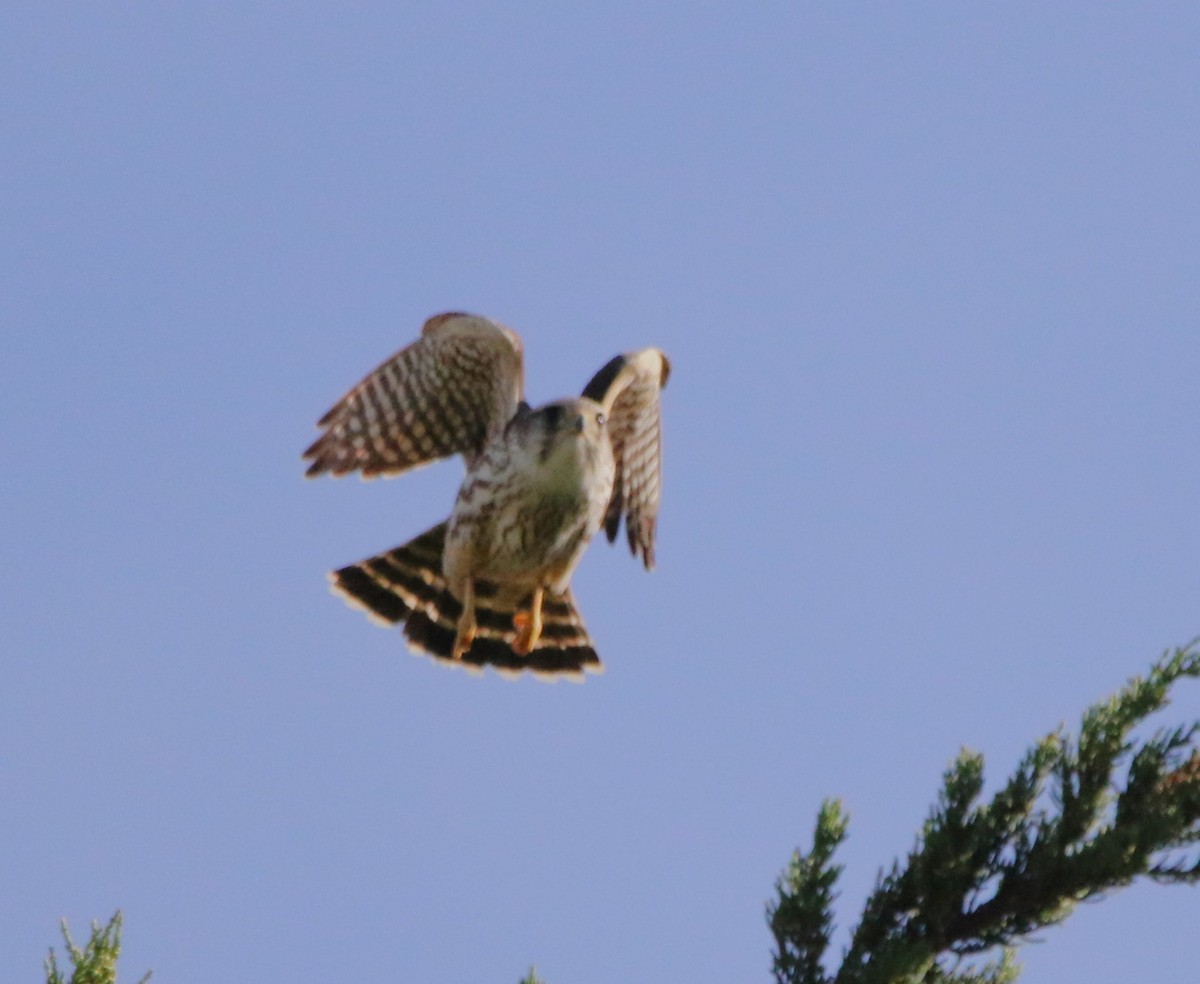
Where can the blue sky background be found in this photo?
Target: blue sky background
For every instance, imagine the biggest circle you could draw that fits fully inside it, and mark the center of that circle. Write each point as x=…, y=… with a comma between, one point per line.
x=929, y=276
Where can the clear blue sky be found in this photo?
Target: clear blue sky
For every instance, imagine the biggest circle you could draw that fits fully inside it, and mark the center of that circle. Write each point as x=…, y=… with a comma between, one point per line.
x=929, y=276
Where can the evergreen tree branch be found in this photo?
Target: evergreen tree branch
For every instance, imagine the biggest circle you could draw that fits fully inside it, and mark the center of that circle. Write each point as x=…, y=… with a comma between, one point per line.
x=801, y=915
x=94, y=963
x=986, y=875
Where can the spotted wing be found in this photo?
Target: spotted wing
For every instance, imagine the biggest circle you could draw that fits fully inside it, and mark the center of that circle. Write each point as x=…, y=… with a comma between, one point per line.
x=629, y=388
x=442, y=395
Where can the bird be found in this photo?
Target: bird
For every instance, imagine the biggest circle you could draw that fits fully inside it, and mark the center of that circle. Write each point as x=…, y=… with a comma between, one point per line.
x=490, y=585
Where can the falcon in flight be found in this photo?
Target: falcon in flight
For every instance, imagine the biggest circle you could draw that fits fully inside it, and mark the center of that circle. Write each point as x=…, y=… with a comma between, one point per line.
x=491, y=585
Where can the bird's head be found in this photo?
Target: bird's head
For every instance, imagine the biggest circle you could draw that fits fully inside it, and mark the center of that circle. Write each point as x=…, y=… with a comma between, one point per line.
x=567, y=418
x=561, y=427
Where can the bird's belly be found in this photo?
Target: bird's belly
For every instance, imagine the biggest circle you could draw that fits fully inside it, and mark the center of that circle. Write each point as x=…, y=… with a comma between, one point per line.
x=520, y=540
x=522, y=521
x=536, y=538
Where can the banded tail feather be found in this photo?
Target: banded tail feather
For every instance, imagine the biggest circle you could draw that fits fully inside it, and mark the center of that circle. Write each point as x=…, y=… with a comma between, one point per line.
x=406, y=585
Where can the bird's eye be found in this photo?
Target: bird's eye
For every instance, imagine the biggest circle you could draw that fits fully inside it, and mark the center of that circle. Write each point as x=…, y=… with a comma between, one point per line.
x=601, y=419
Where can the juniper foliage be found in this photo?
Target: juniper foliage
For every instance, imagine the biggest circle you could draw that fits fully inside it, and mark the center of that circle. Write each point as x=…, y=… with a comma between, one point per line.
x=95, y=962
x=1070, y=824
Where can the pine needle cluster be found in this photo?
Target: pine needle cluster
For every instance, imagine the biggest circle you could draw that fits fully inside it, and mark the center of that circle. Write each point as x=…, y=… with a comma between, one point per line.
x=1079, y=817
x=95, y=962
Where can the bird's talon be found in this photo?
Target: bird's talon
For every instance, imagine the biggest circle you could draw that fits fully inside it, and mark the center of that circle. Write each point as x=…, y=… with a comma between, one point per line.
x=462, y=642
x=528, y=625
x=523, y=623
x=464, y=633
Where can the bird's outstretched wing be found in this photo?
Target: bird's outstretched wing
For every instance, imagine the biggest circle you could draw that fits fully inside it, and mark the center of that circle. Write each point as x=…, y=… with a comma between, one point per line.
x=628, y=389
x=444, y=394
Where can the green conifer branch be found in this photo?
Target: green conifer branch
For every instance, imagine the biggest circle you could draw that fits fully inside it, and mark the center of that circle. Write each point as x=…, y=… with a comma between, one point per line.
x=984, y=876
x=94, y=963
x=801, y=915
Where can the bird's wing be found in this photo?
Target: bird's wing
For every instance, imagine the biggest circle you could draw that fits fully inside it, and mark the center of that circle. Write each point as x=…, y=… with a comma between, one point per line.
x=444, y=394
x=628, y=388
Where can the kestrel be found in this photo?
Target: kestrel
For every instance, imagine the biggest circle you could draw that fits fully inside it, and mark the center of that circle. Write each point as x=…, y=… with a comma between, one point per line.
x=491, y=585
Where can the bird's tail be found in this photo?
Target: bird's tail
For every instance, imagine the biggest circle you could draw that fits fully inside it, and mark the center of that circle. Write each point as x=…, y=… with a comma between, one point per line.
x=406, y=585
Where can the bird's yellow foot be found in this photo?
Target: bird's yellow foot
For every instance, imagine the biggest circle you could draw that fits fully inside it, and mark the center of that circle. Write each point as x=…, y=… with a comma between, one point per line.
x=465, y=630
x=462, y=641
x=529, y=626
